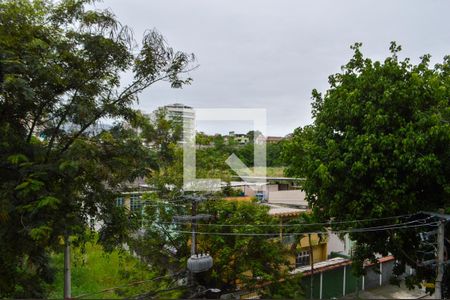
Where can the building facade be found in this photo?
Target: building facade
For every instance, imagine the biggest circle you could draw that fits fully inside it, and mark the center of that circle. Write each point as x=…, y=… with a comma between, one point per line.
x=180, y=114
x=239, y=138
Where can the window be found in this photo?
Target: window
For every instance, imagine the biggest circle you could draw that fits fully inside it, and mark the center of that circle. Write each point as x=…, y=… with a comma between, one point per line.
x=135, y=202
x=302, y=259
x=119, y=201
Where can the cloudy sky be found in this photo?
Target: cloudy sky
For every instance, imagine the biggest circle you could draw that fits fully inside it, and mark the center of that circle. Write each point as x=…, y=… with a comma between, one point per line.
x=271, y=54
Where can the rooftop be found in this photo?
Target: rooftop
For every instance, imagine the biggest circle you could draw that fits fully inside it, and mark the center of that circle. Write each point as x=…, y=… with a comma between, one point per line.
x=282, y=211
x=177, y=105
x=323, y=265
x=289, y=198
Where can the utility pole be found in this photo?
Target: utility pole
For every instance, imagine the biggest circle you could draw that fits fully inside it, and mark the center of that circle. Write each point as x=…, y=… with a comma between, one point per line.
x=196, y=263
x=194, y=226
x=444, y=218
x=440, y=260
x=67, y=277
x=193, y=241
x=311, y=256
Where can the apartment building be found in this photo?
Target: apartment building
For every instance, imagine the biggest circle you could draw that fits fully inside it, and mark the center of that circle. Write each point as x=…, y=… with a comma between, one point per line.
x=180, y=114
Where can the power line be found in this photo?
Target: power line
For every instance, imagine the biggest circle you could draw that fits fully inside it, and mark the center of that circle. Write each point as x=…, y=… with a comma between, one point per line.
x=161, y=205
x=126, y=285
x=149, y=295
x=352, y=230
x=293, y=225
x=356, y=230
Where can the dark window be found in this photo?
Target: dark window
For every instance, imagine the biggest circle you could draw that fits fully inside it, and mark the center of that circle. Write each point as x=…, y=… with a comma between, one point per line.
x=135, y=202
x=302, y=259
x=119, y=201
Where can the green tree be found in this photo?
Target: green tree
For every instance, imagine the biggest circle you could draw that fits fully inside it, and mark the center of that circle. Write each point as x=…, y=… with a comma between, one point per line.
x=218, y=140
x=274, y=154
x=379, y=147
x=211, y=163
x=246, y=260
x=61, y=67
x=287, y=288
x=203, y=139
x=252, y=260
x=252, y=134
x=100, y=274
x=163, y=135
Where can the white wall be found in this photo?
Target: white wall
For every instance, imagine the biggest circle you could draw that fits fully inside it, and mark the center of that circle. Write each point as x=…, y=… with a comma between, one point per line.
x=288, y=197
x=335, y=244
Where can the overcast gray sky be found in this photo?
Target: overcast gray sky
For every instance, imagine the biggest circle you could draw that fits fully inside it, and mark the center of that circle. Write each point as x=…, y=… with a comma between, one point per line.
x=271, y=54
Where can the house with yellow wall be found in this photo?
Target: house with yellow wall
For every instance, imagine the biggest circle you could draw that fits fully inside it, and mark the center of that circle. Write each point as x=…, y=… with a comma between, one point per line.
x=130, y=200
x=300, y=245
x=301, y=250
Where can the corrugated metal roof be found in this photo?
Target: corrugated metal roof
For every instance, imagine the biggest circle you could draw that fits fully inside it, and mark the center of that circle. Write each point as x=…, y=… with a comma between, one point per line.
x=333, y=262
x=281, y=211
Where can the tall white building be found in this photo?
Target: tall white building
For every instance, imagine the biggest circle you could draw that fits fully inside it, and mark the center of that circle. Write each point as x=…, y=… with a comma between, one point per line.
x=181, y=114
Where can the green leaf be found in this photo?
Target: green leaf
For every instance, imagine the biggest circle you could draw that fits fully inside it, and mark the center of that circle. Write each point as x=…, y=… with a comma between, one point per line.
x=22, y=186
x=40, y=233
x=48, y=201
x=68, y=165
x=30, y=185
x=17, y=159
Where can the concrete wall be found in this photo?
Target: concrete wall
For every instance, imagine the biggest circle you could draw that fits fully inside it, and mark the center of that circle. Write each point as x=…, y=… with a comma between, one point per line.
x=386, y=271
x=340, y=281
x=319, y=247
x=288, y=197
x=372, y=278
x=251, y=190
x=338, y=245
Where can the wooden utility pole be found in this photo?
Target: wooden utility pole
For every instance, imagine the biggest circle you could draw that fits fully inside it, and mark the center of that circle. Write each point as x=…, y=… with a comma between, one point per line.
x=67, y=277
x=440, y=260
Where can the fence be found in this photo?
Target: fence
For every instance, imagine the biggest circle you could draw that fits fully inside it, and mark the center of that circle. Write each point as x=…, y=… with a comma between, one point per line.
x=334, y=278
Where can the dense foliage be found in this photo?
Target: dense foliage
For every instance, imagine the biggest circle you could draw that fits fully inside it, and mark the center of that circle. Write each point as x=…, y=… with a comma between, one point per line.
x=218, y=148
x=378, y=147
x=245, y=260
x=240, y=262
x=60, y=74
x=99, y=274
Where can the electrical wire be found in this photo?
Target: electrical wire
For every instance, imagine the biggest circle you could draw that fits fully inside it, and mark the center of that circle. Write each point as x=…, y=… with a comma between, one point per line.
x=351, y=230
x=357, y=230
x=126, y=285
x=159, y=205
x=293, y=225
